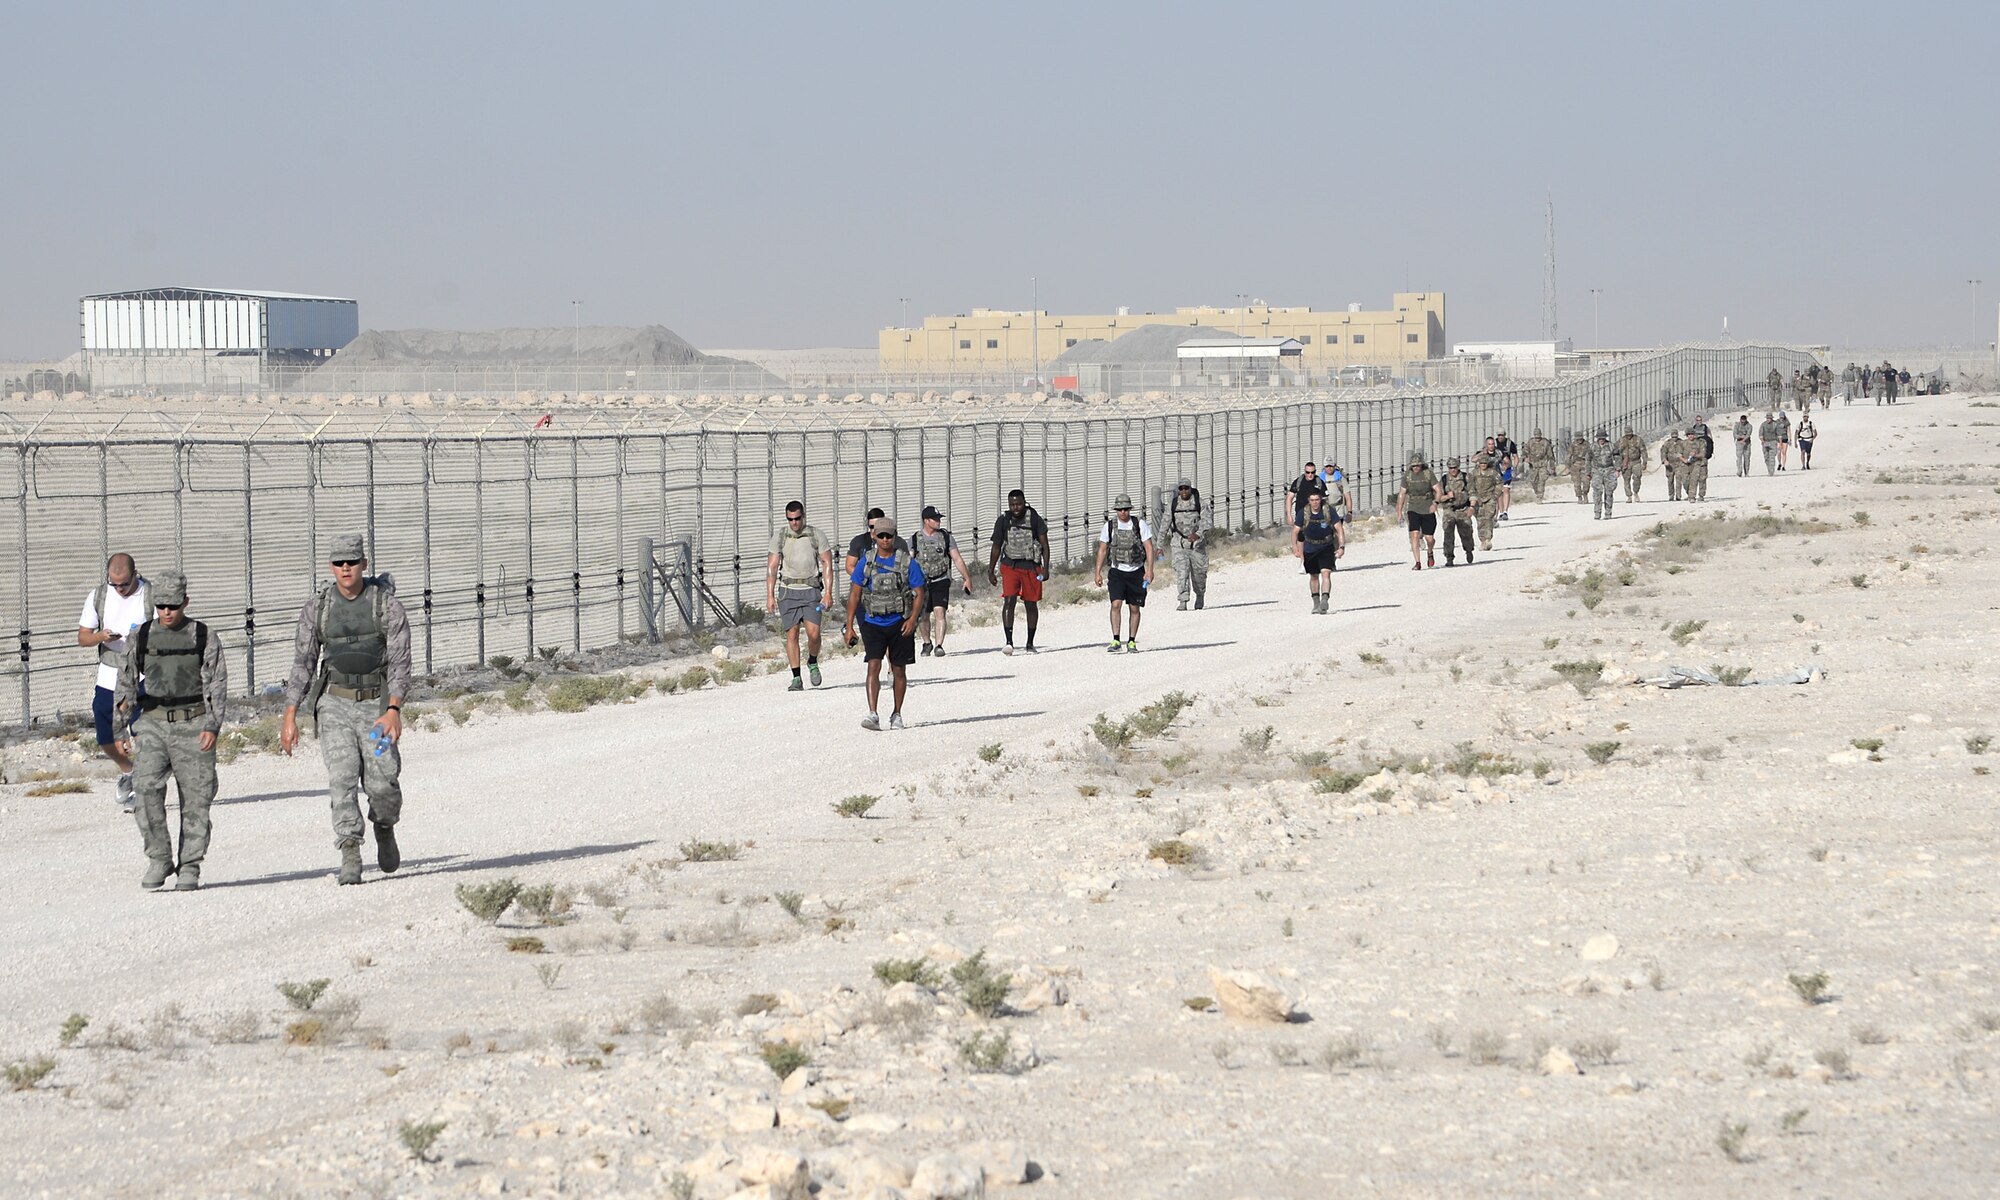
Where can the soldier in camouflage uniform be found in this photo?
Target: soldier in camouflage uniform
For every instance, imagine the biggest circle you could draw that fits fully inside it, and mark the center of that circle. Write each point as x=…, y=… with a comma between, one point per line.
x=1604, y=466
x=1187, y=523
x=1631, y=462
x=350, y=672
x=1579, y=468
x=1416, y=504
x=1742, y=432
x=1455, y=499
x=172, y=688
x=1770, y=433
x=1699, y=447
x=1673, y=464
x=1776, y=383
x=1541, y=456
x=1486, y=487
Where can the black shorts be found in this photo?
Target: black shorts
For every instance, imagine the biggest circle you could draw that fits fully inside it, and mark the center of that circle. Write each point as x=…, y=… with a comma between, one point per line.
x=1424, y=523
x=938, y=595
x=878, y=641
x=1320, y=559
x=1128, y=586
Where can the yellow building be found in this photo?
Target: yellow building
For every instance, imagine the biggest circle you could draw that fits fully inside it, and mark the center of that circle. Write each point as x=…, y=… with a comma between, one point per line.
x=1411, y=330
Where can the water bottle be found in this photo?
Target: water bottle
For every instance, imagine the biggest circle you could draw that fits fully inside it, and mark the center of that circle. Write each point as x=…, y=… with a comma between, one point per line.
x=381, y=739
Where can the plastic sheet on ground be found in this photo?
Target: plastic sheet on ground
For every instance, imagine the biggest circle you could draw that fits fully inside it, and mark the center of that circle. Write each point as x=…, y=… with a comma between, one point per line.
x=1679, y=677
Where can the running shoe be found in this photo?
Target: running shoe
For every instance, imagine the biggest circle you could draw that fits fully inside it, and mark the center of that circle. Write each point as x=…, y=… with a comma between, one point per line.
x=895, y=720
x=1430, y=558
x=926, y=651
x=813, y=670
x=939, y=652
x=1031, y=648
x=872, y=723
x=1116, y=647
x=1132, y=646
x=1007, y=649
x=797, y=685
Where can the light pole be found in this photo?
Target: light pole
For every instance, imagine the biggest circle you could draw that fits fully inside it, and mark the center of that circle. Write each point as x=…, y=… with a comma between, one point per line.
x=575, y=345
x=904, y=321
x=1035, y=326
x=1596, y=338
x=1974, y=285
x=1242, y=301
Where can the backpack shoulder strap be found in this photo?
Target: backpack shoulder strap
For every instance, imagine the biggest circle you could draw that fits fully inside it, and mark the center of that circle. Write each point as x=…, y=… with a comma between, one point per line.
x=322, y=600
x=200, y=640
x=139, y=649
x=103, y=590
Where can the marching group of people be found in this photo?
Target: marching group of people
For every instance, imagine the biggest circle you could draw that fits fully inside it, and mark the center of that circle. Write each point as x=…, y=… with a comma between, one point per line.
x=162, y=683
x=1885, y=383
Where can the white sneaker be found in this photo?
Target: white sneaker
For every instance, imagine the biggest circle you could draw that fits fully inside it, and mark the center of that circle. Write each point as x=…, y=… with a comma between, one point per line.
x=871, y=722
x=1007, y=649
x=895, y=720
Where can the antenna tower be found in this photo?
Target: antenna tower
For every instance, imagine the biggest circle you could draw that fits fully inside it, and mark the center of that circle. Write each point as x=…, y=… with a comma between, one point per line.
x=1549, y=275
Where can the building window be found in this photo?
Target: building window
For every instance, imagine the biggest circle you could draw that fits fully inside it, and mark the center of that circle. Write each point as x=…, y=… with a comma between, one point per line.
x=1360, y=338
x=965, y=343
x=992, y=343
x=1331, y=339
x=1305, y=339
x=1409, y=337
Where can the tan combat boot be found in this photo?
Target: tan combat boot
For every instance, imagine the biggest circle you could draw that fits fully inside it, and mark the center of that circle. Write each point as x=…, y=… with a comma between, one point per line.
x=350, y=863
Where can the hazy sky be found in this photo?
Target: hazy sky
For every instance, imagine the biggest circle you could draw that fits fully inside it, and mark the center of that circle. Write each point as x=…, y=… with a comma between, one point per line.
x=768, y=175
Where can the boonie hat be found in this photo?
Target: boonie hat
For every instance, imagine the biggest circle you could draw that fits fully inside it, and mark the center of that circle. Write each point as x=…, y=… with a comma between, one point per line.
x=1452, y=462
x=170, y=587
x=346, y=546
x=1123, y=501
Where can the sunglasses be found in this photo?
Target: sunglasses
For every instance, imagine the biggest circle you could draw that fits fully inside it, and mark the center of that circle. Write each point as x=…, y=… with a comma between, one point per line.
x=346, y=562
x=168, y=607
x=885, y=537
x=1125, y=510
x=796, y=517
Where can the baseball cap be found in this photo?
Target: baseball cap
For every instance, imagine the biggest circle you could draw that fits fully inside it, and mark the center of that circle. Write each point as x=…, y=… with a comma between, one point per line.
x=170, y=587
x=884, y=525
x=346, y=547
x=932, y=514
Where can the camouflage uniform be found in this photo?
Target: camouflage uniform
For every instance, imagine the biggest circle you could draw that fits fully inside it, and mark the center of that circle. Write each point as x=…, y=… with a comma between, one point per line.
x=1776, y=383
x=1541, y=462
x=1742, y=445
x=185, y=690
x=1604, y=464
x=1579, y=468
x=1631, y=462
x=1699, y=447
x=1457, y=514
x=366, y=663
x=1769, y=432
x=1187, y=538
x=1486, y=500
x=1673, y=464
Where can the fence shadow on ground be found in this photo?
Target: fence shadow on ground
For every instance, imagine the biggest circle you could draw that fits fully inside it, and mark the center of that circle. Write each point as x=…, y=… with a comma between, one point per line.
x=445, y=864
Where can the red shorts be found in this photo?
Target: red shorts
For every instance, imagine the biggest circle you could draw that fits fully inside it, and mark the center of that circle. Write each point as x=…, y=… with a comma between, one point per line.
x=1022, y=582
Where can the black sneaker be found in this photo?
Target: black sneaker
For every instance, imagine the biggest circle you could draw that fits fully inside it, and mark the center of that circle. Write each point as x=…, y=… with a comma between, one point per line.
x=926, y=651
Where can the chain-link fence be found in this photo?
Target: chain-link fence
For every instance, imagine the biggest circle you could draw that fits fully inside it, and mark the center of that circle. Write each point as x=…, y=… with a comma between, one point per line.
x=506, y=538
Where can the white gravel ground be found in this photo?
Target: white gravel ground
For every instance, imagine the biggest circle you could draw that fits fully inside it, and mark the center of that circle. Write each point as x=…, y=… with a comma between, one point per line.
x=1735, y=837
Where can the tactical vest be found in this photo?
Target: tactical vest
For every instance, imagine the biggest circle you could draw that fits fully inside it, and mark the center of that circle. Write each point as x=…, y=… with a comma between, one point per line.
x=105, y=654
x=1319, y=530
x=1020, y=544
x=934, y=555
x=1128, y=549
x=785, y=539
x=1192, y=510
x=169, y=660
x=885, y=590
x=354, y=638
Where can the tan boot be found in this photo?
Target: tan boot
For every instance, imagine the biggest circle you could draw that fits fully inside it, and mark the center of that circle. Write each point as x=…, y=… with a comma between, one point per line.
x=350, y=864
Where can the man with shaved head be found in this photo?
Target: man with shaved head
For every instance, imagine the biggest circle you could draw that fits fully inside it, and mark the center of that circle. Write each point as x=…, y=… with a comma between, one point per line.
x=113, y=609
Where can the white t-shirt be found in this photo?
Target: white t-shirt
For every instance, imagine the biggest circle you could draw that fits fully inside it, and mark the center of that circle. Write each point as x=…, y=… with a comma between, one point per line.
x=1145, y=535
x=121, y=612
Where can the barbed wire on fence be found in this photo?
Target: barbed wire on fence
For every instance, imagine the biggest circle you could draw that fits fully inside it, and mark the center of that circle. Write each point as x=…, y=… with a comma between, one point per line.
x=513, y=535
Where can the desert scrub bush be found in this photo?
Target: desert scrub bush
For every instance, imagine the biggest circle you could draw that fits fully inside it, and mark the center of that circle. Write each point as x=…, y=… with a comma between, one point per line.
x=1198, y=1003
x=1342, y=1052
x=1371, y=659
x=1868, y=745
x=61, y=787
x=1601, y=752
x=791, y=902
x=575, y=694
x=1978, y=743
x=547, y=903
x=259, y=735
x=1684, y=632
x=1594, y=1051
x=302, y=996
x=695, y=850
x=856, y=806
x=1338, y=783
x=1257, y=741
x=1860, y=580
x=519, y=696
x=1112, y=735
x=783, y=1058
x=306, y=1031
x=756, y=1004
x=418, y=1137
x=24, y=1073
x=1861, y=519
x=1836, y=1061
x=987, y=1053
x=1153, y=719
x=892, y=971
x=550, y=974
x=990, y=753
x=1468, y=759
x=1730, y=1139
x=733, y=671
x=525, y=945
x=72, y=1027
x=1584, y=675
x=488, y=901
x=1311, y=760
x=1870, y=1035
x=1730, y=676
x=983, y=990
x=1484, y=1048
x=1811, y=988
x=667, y=685
x=1174, y=852
x=694, y=678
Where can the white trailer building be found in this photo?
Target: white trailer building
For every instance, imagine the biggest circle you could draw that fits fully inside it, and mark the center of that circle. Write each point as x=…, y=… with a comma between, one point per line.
x=179, y=336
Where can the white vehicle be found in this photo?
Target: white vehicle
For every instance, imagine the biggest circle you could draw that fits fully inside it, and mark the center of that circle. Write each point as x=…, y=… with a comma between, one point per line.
x=1360, y=375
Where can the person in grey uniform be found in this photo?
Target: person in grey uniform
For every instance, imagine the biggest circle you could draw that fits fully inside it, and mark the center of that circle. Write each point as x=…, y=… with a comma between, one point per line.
x=172, y=689
x=1187, y=522
x=350, y=673
x=1604, y=466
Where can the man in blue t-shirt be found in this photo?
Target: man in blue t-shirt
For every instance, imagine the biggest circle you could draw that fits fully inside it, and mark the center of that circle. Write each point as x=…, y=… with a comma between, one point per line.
x=887, y=593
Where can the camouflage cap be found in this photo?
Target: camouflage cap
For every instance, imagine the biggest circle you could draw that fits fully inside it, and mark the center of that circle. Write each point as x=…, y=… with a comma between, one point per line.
x=1452, y=462
x=169, y=587
x=347, y=547
x=1538, y=433
x=1602, y=436
x=1123, y=501
x=1416, y=458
